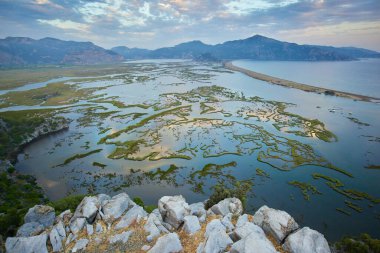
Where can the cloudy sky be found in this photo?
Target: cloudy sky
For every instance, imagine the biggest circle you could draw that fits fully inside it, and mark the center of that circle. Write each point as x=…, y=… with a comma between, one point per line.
x=157, y=23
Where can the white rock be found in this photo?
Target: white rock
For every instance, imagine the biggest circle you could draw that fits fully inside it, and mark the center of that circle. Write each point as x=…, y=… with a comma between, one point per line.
x=216, y=242
x=71, y=237
x=226, y=221
x=173, y=209
x=88, y=208
x=277, y=223
x=57, y=234
x=31, y=244
x=145, y=248
x=77, y=224
x=168, y=243
x=306, y=240
x=246, y=229
x=213, y=226
x=98, y=228
x=44, y=215
x=154, y=227
x=242, y=220
x=115, y=207
x=102, y=198
x=191, y=225
x=133, y=214
x=30, y=229
x=254, y=242
x=123, y=237
x=229, y=205
x=65, y=216
x=80, y=245
x=90, y=229
x=198, y=209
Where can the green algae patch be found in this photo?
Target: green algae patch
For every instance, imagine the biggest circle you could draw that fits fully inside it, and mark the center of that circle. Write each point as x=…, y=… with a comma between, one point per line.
x=353, y=206
x=373, y=167
x=79, y=156
x=262, y=173
x=357, y=121
x=341, y=210
x=100, y=165
x=306, y=188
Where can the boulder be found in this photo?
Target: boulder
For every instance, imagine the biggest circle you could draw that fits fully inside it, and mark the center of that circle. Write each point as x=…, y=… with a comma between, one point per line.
x=214, y=225
x=173, y=210
x=98, y=228
x=277, y=223
x=153, y=226
x=90, y=229
x=246, y=229
x=102, y=198
x=229, y=205
x=115, y=207
x=71, y=237
x=88, y=208
x=77, y=224
x=191, y=224
x=31, y=244
x=123, y=237
x=44, y=215
x=242, y=220
x=168, y=243
x=65, y=216
x=217, y=241
x=133, y=214
x=30, y=229
x=306, y=240
x=254, y=242
x=57, y=234
x=198, y=209
x=226, y=221
x=81, y=244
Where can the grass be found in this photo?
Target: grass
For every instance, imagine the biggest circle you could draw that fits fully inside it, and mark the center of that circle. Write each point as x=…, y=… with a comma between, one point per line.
x=358, y=244
x=80, y=156
x=70, y=202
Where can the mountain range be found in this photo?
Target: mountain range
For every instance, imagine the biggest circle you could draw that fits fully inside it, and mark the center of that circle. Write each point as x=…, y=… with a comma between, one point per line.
x=20, y=51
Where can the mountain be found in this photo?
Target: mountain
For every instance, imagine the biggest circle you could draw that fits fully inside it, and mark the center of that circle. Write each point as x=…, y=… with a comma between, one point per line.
x=257, y=47
x=26, y=51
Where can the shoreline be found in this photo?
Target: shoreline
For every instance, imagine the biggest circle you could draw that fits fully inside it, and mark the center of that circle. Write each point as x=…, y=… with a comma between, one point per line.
x=299, y=86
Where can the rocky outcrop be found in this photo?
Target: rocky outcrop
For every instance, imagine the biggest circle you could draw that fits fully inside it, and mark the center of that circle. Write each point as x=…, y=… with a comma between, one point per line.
x=104, y=224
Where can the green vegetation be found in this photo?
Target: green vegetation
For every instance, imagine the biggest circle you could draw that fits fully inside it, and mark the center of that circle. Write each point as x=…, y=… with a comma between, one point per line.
x=360, y=244
x=100, y=165
x=357, y=121
x=305, y=188
x=147, y=208
x=70, y=202
x=373, y=166
x=18, y=193
x=79, y=156
x=262, y=173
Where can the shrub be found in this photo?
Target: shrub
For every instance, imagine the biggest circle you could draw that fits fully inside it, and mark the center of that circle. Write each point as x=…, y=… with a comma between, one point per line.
x=70, y=202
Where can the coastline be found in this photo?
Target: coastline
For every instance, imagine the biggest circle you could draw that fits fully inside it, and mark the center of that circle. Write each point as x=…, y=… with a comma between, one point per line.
x=300, y=86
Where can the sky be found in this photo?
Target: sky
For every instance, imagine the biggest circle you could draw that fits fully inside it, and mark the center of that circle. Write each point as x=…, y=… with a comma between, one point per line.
x=158, y=23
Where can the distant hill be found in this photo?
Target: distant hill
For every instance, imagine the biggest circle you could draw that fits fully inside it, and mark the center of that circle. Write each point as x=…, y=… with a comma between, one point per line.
x=257, y=47
x=17, y=51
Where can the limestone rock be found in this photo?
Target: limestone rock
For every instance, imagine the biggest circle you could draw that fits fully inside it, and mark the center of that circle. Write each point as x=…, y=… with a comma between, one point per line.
x=226, y=221
x=168, y=243
x=242, y=220
x=173, y=209
x=123, y=237
x=133, y=214
x=216, y=242
x=57, y=234
x=30, y=229
x=65, y=216
x=44, y=215
x=145, y=248
x=98, y=228
x=102, y=198
x=191, y=225
x=115, y=207
x=80, y=245
x=31, y=244
x=90, y=229
x=88, y=208
x=306, y=240
x=213, y=226
x=229, y=205
x=77, y=225
x=277, y=223
x=153, y=226
x=254, y=242
x=198, y=209
x=246, y=229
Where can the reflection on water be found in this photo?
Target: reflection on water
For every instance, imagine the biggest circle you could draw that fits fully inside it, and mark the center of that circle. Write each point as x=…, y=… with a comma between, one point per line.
x=184, y=127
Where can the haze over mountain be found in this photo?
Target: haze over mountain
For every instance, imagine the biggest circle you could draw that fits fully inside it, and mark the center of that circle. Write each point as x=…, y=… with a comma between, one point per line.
x=18, y=51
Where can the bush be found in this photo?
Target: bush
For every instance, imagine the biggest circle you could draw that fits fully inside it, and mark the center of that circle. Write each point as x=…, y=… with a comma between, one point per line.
x=140, y=202
x=362, y=244
x=70, y=202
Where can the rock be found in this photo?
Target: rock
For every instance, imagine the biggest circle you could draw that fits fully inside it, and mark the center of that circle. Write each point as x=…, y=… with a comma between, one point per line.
x=153, y=226
x=306, y=240
x=98, y=228
x=246, y=229
x=277, y=223
x=115, y=207
x=31, y=244
x=173, y=210
x=102, y=198
x=30, y=229
x=242, y=220
x=229, y=205
x=80, y=245
x=169, y=243
x=123, y=237
x=44, y=215
x=57, y=234
x=191, y=225
x=213, y=226
x=90, y=229
x=77, y=225
x=65, y=216
x=88, y=208
x=133, y=214
x=71, y=237
x=198, y=209
x=145, y=248
x=226, y=221
x=254, y=242
x=216, y=242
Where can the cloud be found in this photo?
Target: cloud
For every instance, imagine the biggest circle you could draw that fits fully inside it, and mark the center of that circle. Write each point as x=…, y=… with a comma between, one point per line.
x=65, y=24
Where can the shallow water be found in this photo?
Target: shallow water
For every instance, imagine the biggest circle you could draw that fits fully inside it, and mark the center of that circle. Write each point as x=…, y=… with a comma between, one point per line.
x=203, y=134
x=359, y=77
